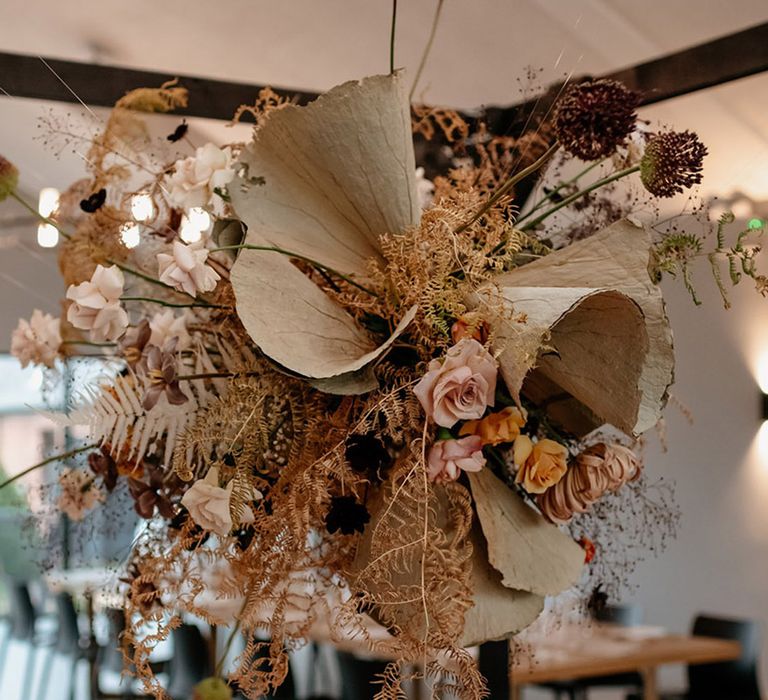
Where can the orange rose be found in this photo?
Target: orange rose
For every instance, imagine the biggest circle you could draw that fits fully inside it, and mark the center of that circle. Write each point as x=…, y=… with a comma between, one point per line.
x=470, y=325
x=539, y=465
x=496, y=428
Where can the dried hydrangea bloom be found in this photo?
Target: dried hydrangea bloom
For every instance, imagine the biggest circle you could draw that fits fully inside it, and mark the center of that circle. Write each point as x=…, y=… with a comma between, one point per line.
x=37, y=340
x=672, y=162
x=186, y=270
x=595, y=117
x=9, y=178
x=79, y=493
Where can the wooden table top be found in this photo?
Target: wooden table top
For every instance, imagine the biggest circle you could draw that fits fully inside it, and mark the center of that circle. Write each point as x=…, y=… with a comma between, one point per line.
x=600, y=652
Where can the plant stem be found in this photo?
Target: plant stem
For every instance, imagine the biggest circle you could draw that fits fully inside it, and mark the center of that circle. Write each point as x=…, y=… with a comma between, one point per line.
x=392, y=38
x=210, y=375
x=507, y=186
x=228, y=644
x=37, y=214
x=560, y=187
x=55, y=458
x=578, y=195
x=201, y=304
x=427, y=49
x=298, y=256
x=88, y=342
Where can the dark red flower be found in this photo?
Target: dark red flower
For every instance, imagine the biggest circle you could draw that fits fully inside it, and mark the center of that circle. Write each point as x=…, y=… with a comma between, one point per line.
x=161, y=371
x=672, y=162
x=347, y=515
x=151, y=494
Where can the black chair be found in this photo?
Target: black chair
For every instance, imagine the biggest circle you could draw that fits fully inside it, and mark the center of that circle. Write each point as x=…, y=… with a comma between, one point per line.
x=66, y=644
x=734, y=680
x=22, y=618
x=359, y=676
x=493, y=662
x=190, y=662
x=622, y=616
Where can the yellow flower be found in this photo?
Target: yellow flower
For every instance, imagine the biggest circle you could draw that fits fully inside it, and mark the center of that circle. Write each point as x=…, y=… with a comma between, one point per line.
x=539, y=465
x=496, y=428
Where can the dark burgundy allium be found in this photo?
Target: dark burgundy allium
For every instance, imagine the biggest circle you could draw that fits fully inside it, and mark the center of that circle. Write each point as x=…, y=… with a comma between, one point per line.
x=367, y=454
x=672, y=162
x=595, y=117
x=9, y=178
x=347, y=515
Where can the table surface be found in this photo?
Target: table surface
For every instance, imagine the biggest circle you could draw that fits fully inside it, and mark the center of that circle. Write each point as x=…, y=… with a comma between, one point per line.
x=600, y=652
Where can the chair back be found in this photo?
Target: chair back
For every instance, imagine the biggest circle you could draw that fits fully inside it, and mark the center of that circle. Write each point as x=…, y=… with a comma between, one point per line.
x=21, y=611
x=68, y=631
x=190, y=662
x=735, y=680
x=359, y=676
x=622, y=615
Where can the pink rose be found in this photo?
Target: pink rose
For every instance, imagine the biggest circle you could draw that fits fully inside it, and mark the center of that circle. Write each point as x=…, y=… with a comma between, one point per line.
x=461, y=386
x=447, y=457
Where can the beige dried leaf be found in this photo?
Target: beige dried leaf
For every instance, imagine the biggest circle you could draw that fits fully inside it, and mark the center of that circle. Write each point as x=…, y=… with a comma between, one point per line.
x=337, y=174
x=530, y=553
x=498, y=611
x=613, y=260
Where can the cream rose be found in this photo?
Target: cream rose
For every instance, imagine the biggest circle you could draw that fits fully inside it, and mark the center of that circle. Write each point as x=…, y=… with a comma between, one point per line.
x=194, y=179
x=539, y=465
x=96, y=304
x=209, y=504
x=37, y=340
x=186, y=270
x=448, y=458
x=460, y=387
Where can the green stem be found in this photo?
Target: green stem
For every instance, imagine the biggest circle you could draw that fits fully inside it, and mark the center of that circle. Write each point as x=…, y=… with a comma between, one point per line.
x=578, y=195
x=392, y=38
x=427, y=49
x=559, y=188
x=298, y=256
x=201, y=304
x=230, y=640
x=55, y=458
x=37, y=214
x=507, y=187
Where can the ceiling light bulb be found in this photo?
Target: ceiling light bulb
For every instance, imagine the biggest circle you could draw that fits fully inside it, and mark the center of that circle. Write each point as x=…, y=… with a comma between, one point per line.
x=142, y=207
x=47, y=236
x=130, y=235
x=199, y=218
x=188, y=232
x=48, y=202
x=742, y=208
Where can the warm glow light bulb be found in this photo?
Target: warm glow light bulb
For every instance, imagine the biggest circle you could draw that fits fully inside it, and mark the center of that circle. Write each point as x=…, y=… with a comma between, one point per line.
x=142, y=207
x=762, y=372
x=742, y=208
x=199, y=218
x=130, y=235
x=47, y=236
x=48, y=202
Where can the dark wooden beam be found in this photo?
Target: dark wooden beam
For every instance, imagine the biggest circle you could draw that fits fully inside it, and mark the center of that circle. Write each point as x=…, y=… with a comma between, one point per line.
x=102, y=86
x=703, y=66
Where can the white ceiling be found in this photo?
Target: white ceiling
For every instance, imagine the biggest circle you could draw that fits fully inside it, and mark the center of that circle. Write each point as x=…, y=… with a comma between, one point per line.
x=480, y=56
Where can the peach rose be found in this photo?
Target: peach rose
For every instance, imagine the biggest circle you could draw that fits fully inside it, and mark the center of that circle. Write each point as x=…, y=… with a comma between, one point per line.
x=539, y=465
x=448, y=458
x=460, y=387
x=470, y=325
x=496, y=428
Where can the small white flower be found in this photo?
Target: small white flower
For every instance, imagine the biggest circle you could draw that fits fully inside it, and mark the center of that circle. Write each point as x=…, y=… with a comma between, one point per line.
x=165, y=326
x=194, y=179
x=96, y=305
x=186, y=270
x=37, y=340
x=209, y=504
x=425, y=189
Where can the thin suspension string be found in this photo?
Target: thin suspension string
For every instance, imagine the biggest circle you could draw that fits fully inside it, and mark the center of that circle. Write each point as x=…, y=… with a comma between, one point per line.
x=427, y=48
x=392, y=38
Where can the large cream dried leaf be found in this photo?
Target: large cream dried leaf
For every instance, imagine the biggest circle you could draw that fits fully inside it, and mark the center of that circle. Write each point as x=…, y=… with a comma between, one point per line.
x=498, y=611
x=294, y=322
x=530, y=553
x=615, y=258
x=337, y=174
